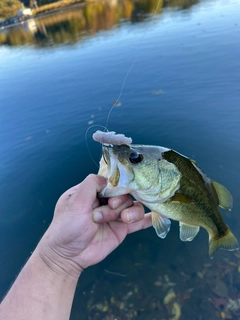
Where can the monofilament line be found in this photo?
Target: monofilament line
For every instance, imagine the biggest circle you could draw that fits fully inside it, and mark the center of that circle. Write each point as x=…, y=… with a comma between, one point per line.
x=123, y=83
x=94, y=125
x=132, y=65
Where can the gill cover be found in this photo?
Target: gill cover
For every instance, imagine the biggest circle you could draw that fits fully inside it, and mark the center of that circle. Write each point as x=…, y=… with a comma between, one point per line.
x=170, y=179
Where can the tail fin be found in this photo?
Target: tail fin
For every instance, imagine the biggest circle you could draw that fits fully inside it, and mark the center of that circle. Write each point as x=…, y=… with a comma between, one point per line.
x=227, y=242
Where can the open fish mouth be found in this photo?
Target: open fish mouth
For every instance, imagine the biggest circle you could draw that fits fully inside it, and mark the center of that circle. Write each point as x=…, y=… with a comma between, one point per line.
x=115, y=173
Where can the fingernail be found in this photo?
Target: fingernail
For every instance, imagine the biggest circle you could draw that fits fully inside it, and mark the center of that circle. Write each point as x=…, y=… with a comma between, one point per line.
x=116, y=203
x=131, y=216
x=97, y=216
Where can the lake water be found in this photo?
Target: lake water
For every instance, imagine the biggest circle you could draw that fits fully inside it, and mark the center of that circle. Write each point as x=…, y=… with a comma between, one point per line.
x=179, y=72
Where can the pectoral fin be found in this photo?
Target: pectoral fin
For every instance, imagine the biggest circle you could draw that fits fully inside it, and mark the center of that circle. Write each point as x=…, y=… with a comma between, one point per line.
x=224, y=196
x=182, y=198
x=187, y=232
x=161, y=224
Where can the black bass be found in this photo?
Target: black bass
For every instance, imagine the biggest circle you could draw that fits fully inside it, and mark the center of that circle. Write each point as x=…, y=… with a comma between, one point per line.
x=173, y=187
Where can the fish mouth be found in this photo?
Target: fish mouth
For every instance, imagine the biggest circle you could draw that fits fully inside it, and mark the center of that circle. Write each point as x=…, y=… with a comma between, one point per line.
x=115, y=173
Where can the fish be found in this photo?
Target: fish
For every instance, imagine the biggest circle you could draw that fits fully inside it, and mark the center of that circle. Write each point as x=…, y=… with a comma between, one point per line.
x=173, y=187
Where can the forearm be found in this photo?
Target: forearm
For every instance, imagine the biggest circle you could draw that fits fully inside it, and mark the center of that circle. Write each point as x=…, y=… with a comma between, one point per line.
x=45, y=287
x=39, y=293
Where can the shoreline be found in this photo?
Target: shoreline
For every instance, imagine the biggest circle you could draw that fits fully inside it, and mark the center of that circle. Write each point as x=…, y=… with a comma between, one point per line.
x=52, y=8
x=47, y=10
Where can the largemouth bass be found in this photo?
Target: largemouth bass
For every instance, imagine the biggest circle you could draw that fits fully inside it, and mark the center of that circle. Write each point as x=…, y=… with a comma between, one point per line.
x=173, y=187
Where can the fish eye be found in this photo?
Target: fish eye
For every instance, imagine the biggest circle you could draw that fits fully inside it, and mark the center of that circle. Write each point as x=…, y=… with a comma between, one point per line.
x=135, y=157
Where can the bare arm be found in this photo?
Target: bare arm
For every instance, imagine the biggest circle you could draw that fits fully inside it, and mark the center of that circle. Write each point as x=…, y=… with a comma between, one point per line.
x=39, y=293
x=46, y=285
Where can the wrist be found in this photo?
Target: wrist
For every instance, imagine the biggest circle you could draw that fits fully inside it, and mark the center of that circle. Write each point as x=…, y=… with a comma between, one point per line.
x=57, y=263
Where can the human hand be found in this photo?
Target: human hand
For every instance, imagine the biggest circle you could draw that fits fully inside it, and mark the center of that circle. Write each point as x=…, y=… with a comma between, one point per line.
x=74, y=241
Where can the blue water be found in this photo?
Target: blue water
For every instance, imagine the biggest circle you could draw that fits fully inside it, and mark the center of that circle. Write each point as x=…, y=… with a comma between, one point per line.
x=182, y=92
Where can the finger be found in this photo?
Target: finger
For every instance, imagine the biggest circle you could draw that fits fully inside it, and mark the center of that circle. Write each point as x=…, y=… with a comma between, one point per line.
x=99, y=202
x=118, y=201
x=86, y=193
x=133, y=214
x=96, y=203
x=106, y=214
x=146, y=222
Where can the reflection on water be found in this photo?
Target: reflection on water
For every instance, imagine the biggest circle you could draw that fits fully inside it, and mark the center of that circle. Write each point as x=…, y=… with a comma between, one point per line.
x=71, y=26
x=183, y=93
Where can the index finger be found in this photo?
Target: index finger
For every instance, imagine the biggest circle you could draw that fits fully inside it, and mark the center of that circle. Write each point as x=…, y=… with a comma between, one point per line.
x=144, y=223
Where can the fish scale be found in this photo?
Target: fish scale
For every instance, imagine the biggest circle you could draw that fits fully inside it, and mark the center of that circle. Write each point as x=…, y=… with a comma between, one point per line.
x=173, y=187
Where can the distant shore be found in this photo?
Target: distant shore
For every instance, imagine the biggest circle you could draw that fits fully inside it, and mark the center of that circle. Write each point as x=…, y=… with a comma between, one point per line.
x=58, y=6
x=45, y=10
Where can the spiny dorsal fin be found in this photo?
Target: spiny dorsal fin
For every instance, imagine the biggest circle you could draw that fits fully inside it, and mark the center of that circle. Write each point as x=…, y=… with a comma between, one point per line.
x=224, y=196
x=194, y=162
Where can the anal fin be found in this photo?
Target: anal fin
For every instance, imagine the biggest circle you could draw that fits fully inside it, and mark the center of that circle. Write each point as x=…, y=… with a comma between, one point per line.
x=187, y=232
x=161, y=224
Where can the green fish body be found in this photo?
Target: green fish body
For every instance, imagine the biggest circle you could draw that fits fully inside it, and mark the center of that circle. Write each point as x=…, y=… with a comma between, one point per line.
x=173, y=187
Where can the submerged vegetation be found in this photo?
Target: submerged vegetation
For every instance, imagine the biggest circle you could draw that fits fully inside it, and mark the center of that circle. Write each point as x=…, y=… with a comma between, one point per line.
x=169, y=293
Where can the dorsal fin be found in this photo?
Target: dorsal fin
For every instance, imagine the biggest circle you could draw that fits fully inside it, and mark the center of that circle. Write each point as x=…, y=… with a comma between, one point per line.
x=224, y=196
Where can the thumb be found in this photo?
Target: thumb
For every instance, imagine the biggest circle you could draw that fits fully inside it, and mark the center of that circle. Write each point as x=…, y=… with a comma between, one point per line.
x=86, y=192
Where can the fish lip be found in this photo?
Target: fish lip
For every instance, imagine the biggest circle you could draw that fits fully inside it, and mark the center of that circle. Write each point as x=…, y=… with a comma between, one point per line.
x=113, y=164
x=110, y=160
x=106, y=153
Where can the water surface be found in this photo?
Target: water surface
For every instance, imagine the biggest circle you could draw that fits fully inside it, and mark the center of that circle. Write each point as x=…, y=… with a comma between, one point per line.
x=60, y=74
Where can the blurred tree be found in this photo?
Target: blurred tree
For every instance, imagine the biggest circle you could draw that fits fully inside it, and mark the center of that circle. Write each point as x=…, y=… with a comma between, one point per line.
x=9, y=8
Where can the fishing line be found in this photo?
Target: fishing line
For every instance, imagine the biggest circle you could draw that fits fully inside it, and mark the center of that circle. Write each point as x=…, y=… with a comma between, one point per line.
x=117, y=273
x=94, y=125
x=132, y=65
x=123, y=83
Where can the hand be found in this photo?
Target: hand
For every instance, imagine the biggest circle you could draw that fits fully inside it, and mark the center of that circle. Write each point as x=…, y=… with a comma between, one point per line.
x=74, y=241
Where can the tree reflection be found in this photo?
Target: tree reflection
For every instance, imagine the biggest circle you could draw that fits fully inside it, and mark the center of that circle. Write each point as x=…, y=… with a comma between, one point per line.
x=180, y=3
x=76, y=23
